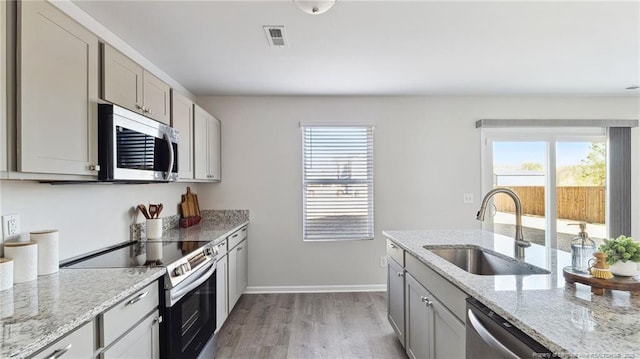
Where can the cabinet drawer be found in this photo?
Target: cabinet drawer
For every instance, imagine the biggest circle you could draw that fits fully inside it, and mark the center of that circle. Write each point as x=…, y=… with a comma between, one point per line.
x=394, y=251
x=237, y=237
x=141, y=342
x=441, y=288
x=125, y=314
x=81, y=341
x=222, y=248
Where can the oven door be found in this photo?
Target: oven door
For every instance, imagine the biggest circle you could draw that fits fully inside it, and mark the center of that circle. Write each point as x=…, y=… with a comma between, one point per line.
x=190, y=315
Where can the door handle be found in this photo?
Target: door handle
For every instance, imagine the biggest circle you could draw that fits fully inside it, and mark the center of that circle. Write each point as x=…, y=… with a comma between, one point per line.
x=171, y=154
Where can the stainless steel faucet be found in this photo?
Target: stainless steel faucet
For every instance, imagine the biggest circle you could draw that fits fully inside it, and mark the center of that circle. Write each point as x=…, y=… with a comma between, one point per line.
x=520, y=243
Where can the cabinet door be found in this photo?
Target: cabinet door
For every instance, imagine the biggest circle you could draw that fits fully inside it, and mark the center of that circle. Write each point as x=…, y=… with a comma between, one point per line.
x=242, y=267
x=122, y=79
x=79, y=344
x=155, y=94
x=143, y=341
x=214, y=149
x=222, y=300
x=419, y=320
x=234, y=293
x=58, y=92
x=449, y=333
x=182, y=120
x=395, y=298
x=200, y=147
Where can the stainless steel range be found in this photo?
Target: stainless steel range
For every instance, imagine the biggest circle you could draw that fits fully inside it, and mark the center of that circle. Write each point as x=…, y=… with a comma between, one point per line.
x=189, y=296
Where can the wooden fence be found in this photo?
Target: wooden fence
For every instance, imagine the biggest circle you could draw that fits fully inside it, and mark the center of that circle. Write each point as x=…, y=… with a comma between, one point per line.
x=583, y=204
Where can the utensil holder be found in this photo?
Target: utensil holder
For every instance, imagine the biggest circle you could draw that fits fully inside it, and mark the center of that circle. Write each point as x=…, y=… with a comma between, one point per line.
x=154, y=228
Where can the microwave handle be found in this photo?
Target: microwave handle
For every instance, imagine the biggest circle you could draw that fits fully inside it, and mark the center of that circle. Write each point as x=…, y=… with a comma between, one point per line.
x=166, y=137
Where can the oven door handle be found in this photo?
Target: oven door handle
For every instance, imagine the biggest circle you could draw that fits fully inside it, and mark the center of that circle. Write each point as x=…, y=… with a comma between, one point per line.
x=178, y=294
x=171, y=155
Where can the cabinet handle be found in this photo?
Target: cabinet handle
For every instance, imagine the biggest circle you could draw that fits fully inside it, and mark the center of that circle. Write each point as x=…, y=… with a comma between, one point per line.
x=400, y=274
x=60, y=352
x=94, y=167
x=141, y=108
x=239, y=249
x=235, y=235
x=426, y=301
x=138, y=298
x=148, y=111
x=244, y=229
x=392, y=245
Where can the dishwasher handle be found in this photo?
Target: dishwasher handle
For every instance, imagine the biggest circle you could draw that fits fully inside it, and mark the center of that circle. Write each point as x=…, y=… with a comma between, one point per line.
x=488, y=338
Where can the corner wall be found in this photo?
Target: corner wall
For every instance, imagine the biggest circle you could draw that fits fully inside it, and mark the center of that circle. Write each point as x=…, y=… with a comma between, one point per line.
x=426, y=155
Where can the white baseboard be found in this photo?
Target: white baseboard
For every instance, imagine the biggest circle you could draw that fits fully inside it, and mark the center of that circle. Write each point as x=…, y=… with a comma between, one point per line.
x=316, y=288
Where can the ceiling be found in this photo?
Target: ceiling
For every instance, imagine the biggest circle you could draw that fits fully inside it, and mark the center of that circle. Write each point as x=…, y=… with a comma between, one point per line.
x=386, y=47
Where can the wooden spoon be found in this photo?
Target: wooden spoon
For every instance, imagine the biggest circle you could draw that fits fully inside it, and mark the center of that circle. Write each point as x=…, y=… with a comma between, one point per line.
x=143, y=209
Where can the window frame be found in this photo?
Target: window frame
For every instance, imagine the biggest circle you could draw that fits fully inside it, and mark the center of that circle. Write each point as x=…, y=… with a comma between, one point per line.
x=368, y=233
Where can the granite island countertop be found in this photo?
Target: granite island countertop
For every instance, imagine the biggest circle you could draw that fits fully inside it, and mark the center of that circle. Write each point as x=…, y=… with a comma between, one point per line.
x=570, y=321
x=37, y=313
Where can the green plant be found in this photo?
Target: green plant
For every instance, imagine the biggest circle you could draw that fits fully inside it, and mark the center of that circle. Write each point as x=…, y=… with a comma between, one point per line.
x=621, y=249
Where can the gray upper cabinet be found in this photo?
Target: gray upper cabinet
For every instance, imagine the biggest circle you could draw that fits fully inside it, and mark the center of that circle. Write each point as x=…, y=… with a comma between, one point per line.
x=126, y=83
x=57, y=92
x=206, y=142
x=182, y=120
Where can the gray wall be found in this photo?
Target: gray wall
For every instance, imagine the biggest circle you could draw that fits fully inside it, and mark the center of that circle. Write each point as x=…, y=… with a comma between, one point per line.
x=426, y=155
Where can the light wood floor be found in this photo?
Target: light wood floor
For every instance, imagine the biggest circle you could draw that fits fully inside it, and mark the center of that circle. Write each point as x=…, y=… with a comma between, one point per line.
x=308, y=326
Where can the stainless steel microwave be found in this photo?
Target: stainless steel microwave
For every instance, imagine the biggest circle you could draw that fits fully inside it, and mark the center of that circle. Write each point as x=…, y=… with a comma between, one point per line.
x=134, y=148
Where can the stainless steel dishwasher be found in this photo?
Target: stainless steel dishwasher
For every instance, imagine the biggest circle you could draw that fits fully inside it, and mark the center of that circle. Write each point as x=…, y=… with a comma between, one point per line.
x=491, y=336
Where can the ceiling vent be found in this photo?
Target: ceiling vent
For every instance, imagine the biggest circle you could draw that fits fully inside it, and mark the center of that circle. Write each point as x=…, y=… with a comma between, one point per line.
x=275, y=36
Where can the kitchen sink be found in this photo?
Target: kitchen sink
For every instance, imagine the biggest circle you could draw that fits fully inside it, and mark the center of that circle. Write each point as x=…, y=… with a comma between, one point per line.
x=481, y=262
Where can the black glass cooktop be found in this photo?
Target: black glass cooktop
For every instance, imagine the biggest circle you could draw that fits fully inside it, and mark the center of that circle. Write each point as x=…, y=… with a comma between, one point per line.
x=137, y=254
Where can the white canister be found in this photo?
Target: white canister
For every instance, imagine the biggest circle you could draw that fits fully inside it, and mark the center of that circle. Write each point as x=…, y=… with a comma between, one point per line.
x=48, y=255
x=6, y=273
x=25, y=260
x=154, y=228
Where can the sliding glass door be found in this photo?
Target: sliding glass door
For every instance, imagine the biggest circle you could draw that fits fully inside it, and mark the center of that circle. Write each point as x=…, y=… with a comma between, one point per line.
x=560, y=177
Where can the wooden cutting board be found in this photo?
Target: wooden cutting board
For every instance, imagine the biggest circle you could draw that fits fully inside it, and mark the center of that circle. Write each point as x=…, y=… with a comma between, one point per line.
x=189, y=204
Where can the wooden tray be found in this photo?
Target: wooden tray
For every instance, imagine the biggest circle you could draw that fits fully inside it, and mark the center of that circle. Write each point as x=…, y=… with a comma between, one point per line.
x=629, y=284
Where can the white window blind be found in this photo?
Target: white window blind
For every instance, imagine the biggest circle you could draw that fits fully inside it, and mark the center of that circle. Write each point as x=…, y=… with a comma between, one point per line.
x=337, y=182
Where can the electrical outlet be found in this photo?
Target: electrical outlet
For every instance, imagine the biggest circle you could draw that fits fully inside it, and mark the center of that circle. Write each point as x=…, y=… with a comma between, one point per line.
x=11, y=226
x=467, y=198
x=383, y=261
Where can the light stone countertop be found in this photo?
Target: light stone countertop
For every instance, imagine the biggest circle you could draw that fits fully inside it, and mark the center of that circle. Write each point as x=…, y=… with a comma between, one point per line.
x=571, y=322
x=37, y=313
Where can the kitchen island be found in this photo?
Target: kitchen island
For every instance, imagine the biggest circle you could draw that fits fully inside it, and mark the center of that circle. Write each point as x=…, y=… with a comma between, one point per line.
x=569, y=321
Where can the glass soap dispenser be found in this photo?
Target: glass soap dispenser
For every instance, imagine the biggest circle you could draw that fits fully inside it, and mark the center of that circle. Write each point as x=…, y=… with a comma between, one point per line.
x=582, y=248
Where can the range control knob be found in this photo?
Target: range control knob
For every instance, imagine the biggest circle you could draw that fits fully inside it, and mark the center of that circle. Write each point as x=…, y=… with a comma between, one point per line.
x=178, y=271
x=208, y=251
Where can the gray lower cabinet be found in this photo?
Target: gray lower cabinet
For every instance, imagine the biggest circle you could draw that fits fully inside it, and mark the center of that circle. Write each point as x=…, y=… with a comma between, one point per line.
x=130, y=329
x=419, y=320
x=222, y=298
x=57, y=93
x=237, y=272
x=395, y=298
x=433, y=332
x=79, y=344
x=142, y=341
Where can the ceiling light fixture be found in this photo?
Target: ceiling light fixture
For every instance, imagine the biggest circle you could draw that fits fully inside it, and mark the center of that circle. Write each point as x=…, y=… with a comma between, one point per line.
x=315, y=7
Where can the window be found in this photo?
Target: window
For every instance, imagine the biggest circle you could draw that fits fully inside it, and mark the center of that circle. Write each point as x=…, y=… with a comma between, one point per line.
x=562, y=176
x=337, y=182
